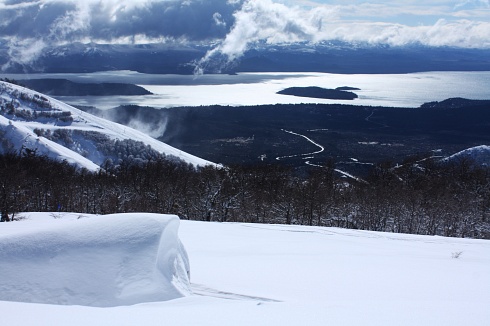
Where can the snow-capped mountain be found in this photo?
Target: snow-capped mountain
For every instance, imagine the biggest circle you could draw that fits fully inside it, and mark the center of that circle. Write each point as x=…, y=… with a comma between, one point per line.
x=33, y=123
x=480, y=155
x=178, y=58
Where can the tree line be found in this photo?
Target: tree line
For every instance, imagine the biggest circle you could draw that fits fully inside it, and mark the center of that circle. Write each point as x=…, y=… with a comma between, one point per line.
x=418, y=197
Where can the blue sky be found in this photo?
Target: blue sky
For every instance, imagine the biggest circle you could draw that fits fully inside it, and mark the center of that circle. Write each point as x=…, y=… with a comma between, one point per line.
x=408, y=12
x=27, y=27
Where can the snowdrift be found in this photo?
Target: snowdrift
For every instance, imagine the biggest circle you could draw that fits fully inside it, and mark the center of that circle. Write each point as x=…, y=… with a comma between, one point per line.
x=101, y=261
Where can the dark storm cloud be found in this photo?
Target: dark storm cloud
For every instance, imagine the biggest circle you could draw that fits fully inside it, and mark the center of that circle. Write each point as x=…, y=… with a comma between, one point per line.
x=233, y=26
x=31, y=20
x=108, y=20
x=27, y=28
x=176, y=19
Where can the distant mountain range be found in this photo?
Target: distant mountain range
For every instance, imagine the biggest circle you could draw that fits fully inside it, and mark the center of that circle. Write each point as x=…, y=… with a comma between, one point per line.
x=34, y=124
x=334, y=57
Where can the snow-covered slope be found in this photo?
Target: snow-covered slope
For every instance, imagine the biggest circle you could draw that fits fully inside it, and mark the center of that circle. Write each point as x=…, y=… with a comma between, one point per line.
x=31, y=122
x=100, y=261
x=480, y=155
x=256, y=274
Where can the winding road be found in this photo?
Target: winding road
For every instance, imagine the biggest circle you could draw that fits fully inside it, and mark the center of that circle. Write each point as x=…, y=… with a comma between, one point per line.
x=368, y=119
x=322, y=149
x=308, y=156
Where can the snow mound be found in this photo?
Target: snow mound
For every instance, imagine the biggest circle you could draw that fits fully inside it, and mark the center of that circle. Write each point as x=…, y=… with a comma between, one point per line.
x=102, y=261
x=479, y=154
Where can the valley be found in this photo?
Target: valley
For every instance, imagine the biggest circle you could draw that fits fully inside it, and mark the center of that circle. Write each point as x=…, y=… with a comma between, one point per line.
x=354, y=137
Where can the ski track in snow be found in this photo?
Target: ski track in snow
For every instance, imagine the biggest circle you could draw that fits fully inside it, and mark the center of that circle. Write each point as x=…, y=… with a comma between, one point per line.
x=353, y=233
x=202, y=290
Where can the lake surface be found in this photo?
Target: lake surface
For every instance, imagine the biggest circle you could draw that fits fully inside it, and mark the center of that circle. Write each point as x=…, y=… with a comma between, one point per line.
x=396, y=90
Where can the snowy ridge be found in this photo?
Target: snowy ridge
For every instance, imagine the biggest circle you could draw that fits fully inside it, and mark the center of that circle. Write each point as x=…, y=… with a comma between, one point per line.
x=23, y=137
x=99, y=261
x=479, y=154
x=36, y=123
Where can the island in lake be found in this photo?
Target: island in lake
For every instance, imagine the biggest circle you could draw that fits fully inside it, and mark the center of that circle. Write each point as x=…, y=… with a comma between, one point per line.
x=340, y=93
x=347, y=88
x=63, y=87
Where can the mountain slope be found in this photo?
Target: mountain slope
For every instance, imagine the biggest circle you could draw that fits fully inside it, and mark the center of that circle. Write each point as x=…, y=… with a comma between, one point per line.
x=32, y=123
x=479, y=155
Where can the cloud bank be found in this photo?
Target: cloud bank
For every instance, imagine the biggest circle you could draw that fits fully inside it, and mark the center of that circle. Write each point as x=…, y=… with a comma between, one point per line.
x=28, y=27
x=275, y=23
x=111, y=20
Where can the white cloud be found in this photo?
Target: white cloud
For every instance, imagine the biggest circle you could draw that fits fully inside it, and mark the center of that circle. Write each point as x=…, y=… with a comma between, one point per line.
x=265, y=20
x=275, y=23
x=443, y=33
x=24, y=51
x=218, y=19
x=472, y=4
x=74, y=22
x=192, y=19
x=54, y=22
x=238, y=24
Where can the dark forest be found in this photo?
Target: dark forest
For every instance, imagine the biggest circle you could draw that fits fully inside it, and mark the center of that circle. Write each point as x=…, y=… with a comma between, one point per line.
x=419, y=196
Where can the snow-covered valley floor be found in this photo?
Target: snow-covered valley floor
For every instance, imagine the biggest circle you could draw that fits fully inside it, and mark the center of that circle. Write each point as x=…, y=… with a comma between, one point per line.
x=255, y=274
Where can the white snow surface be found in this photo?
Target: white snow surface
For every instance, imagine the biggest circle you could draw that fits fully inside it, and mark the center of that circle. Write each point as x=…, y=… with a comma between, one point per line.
x=100, y=261
x=21, y=133
x=254, y=274
x=480, y=155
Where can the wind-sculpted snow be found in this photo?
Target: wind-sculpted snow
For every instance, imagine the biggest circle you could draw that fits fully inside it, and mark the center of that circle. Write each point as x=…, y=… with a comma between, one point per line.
x=99, y=261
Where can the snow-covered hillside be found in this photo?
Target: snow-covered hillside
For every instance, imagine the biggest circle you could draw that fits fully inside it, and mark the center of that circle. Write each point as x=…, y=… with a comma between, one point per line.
x=479, y=155
x=31, y=122
x=257, y=274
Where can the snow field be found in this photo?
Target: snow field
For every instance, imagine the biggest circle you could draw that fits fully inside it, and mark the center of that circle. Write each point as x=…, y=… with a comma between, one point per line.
x=255, y=274
x=315, y=264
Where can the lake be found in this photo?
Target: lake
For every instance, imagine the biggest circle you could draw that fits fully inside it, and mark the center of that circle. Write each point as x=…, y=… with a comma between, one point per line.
x=395, y=90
